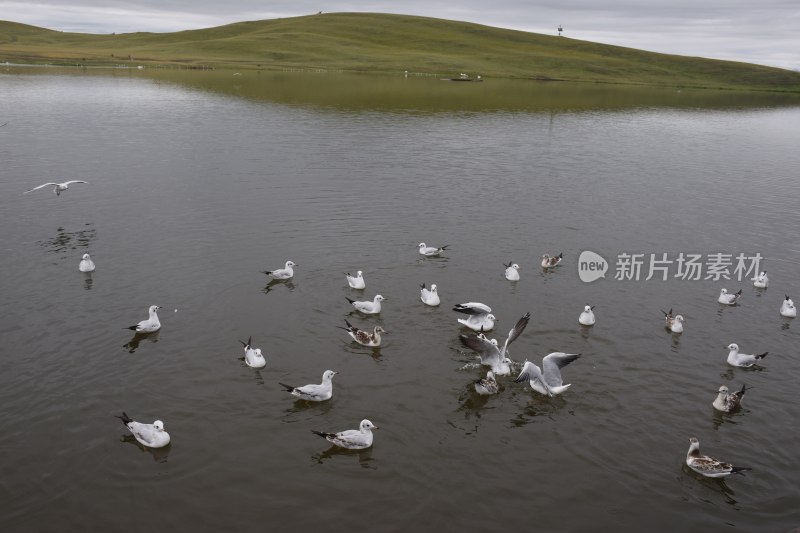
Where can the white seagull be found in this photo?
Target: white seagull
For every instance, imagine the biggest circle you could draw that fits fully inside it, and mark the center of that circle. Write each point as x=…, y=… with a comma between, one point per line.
x=762, y=281
x=548, y=262
x=788, y=309
x=253, y=356
x=512, y=271
x=708, y=466
x=286, y=272
x=480, y=317
x=489, y=351
x=86, y=264
x=430, y=251
x=729, y=299
x=58, y=188
x=548, y=383
x=486, y=386
x=314, y=392
x=742, y=359
x=673, y=323
x=151, y=324
x=728, y=402
x=587, y=316
x=429, y=297
x=150, y=435
x=367, y=307
x=365, y=338
x=357, y=281
x=352, y=439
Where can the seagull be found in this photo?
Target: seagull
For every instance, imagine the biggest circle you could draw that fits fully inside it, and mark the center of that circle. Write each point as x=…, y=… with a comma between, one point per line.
x=673, y=323
x=587, y=317
x=314, y=392
x=480, y=317
x=548, y=261
x=742, y=359
x=151, y=324
x=549, y=383
x=728, y=402
x=58, y=188
x=708, y=466
x=486, y=386
x=512, y=271
x=762, y=281
x=150, y=435
x=357, y=281
x=489, y=351
x=352, y=439
x=429, y=297
x=86, y=264
x=252, y=356
x=430, y=251
x=362, y=337
x=788, y=309
x=282, y=273
x=729, y=299
x=368, y=308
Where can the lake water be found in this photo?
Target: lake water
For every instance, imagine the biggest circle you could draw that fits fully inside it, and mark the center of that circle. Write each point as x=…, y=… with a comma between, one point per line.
x=201, y=180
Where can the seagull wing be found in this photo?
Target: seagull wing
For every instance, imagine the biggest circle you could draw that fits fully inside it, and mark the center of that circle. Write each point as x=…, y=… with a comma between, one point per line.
x=552, y=365
x=40, y=186
x=529, y=372
x=515, y=332
x=488, y=352
x=473, y=308
x=73, y=181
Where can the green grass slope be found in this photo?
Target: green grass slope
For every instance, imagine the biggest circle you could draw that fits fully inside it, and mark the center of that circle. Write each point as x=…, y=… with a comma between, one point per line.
x=363, y=42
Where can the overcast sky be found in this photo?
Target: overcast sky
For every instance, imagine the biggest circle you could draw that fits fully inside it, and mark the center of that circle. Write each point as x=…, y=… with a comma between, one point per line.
x=754, y=31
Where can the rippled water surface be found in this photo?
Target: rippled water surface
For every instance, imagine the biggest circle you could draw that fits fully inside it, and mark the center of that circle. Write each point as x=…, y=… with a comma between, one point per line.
x=200, y=183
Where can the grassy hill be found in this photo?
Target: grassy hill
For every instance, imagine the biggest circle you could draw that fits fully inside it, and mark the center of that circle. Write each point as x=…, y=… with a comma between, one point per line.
x=363, y=42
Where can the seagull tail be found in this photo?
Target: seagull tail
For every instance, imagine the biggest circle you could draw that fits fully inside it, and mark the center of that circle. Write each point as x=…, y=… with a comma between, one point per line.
x=761, y=355
x=739, y=293
x=125, y=418
x=444, y=247
x=349, y=300
x=267, y=272
x=320, y=433
x=133, y=327
x=739, y=470
x=741, y=392
x=288, y=388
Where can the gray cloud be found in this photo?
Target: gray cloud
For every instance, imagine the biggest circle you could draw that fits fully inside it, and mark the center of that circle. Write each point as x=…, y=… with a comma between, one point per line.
x=762, y=32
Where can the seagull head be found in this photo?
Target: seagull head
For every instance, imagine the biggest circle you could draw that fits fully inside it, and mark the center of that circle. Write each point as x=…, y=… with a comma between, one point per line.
x=588, y=309
x=733, y=347
x=154, y=308
x=433, y=287
x=328, y=375
x=724, y=291
x=379, y=329
x=492, y=317
x=366, y=425
x=422, y=245
x=679, y=318
x=86, y=256
x=379, y=298
x=257, y=351
x=290, y=264
x=158, y=425
x=723, y=390
x=358, y=274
